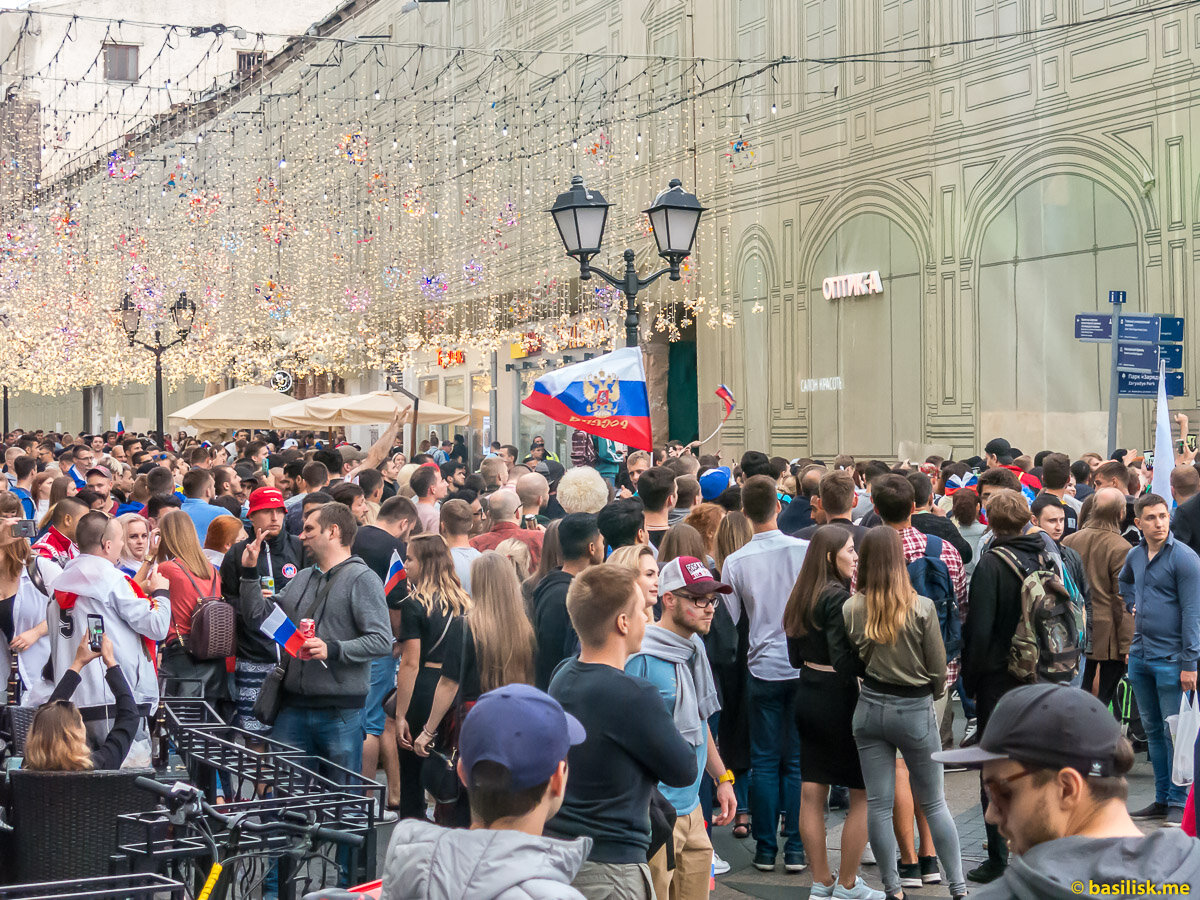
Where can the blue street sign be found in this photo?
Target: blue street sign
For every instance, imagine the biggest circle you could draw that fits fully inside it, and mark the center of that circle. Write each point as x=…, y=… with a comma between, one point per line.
x=1116, y=297
x=1096, y=327
x=1170, y=328
x=1141, y=358
x=1140, y=328
x=1144, y=384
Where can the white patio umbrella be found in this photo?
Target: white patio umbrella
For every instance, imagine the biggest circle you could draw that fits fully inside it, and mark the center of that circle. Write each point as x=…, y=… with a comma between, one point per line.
x=300, y=413
x=248, y=406
x=378, y=407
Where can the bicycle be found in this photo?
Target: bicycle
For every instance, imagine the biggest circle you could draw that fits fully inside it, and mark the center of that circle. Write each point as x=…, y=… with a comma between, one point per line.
x=244, y=837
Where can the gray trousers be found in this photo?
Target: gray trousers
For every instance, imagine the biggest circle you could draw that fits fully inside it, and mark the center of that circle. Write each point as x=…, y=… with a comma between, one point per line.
x=882, y=725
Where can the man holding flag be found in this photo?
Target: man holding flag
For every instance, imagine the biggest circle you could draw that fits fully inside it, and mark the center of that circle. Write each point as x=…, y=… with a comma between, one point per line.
x=328, y=674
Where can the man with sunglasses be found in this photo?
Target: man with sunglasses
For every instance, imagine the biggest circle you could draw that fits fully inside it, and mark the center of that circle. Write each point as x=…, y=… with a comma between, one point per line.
x=1054, y=768
x=674, y=661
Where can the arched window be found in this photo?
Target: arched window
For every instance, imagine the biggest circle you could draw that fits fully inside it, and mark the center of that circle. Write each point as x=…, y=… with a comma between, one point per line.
x=1055, y=250
x=863, y=384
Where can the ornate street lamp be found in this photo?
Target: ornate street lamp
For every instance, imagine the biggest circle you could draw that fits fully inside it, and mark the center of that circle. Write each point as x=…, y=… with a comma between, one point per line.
x=183, y=314
x=581, y=214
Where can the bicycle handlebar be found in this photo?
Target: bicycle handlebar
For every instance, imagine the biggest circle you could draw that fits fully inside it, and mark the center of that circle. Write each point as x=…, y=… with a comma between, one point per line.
x=294, y=822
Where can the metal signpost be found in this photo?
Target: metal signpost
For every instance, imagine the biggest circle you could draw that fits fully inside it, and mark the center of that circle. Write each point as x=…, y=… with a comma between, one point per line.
x=1139, y=343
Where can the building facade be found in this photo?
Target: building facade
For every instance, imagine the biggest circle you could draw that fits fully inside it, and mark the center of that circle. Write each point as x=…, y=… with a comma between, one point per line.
x=909, y=202
x=997, y=187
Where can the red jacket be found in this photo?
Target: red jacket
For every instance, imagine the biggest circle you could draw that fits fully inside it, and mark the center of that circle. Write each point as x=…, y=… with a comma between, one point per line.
x=502, y=531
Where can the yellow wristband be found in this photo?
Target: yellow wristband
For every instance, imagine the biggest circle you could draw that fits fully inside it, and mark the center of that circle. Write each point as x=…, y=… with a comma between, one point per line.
x=727, y=778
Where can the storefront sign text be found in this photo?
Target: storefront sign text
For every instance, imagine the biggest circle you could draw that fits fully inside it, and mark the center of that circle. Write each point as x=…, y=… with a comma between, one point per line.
x=851, y=285
x=448, y=358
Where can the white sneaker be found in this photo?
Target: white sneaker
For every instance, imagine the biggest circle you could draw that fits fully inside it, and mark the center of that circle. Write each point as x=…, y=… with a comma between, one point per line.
x=860, y=891
x=719, y=866
x=387, y=817
x=823, y=891
x=868, y=857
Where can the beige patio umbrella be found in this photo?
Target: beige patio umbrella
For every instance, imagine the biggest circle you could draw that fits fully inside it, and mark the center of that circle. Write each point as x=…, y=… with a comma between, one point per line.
x=248, y=406
x=378, y=407
x=301, y=414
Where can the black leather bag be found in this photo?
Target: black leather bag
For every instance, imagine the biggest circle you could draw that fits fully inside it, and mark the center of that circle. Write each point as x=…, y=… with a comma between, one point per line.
x=439, y=772
x=270, y=695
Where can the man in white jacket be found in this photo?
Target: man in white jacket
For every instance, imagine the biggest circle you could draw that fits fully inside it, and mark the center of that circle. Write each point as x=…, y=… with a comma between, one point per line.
x=91, y=584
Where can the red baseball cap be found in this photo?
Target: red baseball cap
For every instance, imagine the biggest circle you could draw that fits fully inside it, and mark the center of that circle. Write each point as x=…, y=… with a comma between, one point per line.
x=265, y=498
x=686, y=573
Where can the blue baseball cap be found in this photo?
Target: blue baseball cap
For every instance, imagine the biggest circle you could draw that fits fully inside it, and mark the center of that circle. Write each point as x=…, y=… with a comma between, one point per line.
x=714, y=481
x=521, y=728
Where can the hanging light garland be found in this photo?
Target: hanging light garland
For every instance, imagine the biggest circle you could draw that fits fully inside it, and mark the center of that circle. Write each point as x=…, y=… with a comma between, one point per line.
x=342, y=216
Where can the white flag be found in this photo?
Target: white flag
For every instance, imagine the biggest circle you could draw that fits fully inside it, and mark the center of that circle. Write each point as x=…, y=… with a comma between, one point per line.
x=1164, y=453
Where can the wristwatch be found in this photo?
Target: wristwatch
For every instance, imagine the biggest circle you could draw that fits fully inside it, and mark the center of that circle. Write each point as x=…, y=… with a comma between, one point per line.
x=727, y=778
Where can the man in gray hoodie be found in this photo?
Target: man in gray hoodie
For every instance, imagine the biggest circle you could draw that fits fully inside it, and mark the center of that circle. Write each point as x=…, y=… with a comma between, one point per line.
x=325, y=688
x=513, y=759
x=1054, y=766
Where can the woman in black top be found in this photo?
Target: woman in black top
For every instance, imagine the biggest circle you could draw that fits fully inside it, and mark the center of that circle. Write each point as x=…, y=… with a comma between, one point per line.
x=490, y=647
x=435, y=599
x=57, y=741
x=819, y=648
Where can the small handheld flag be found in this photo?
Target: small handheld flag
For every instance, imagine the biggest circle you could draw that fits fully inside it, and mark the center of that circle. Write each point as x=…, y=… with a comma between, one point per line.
x=282, y=630
x=605, y=396
x=726, y=396
x=396, y=574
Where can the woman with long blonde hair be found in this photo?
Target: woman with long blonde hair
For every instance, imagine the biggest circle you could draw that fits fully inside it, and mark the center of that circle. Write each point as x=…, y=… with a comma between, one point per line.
x=57, y=741
x=491, y=646
x=497, y=648
x=190, y=579
x=733, y=534
x=902, y=663
x=435, y=599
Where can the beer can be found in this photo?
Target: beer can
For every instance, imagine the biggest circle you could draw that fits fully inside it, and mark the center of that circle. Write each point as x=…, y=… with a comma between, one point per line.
x=308, y=628
x=268, y=584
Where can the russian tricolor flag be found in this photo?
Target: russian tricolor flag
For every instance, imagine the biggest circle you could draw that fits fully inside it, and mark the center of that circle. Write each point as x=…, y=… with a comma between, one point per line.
x=396, y=574
x=726, y=396
x=605, y=396
x=282, y=630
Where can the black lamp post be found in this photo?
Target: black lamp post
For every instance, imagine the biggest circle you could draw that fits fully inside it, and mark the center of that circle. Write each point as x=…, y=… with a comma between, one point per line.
x=581, y=215
x=183, y=312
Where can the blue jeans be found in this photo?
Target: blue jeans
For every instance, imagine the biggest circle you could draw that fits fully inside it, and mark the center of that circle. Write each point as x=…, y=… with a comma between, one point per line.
x=331, y=733
x=1156, y=687
x=774, y=764
x=968, y=703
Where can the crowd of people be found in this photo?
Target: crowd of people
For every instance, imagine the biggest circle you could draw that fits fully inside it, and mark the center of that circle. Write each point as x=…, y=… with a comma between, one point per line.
x=570, y=675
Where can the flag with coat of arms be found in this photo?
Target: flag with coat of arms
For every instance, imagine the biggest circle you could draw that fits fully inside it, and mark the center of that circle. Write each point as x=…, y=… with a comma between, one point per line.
x=604, y=396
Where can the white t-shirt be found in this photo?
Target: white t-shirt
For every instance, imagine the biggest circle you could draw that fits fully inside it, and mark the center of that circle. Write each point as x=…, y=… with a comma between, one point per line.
x=463, y=557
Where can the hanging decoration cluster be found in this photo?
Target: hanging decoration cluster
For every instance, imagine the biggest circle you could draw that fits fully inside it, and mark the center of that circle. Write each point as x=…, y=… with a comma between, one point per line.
x=368, y=202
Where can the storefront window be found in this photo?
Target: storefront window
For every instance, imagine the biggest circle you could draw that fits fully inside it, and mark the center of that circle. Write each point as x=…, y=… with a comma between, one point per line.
x=481, y=404
x=428, y=391
x=532, y=424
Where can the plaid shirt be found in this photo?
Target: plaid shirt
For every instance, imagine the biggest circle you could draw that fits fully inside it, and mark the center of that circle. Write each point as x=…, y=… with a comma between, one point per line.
x=914, y=542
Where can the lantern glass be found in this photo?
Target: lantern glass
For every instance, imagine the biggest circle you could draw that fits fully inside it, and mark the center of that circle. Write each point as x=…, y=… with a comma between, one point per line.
x=580, y=216
x=183, y=311
x=675, y=217
x=131, y=316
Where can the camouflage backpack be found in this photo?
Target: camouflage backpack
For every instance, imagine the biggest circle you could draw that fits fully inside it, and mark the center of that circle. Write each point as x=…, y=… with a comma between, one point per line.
x=1045, y=647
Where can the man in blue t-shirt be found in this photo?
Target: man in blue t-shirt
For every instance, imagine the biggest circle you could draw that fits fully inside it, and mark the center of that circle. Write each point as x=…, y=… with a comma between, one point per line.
x=672, y=658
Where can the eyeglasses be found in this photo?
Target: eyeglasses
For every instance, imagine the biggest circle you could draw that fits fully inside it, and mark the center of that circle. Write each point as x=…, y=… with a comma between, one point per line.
x=704, y=601
x=998, y=790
